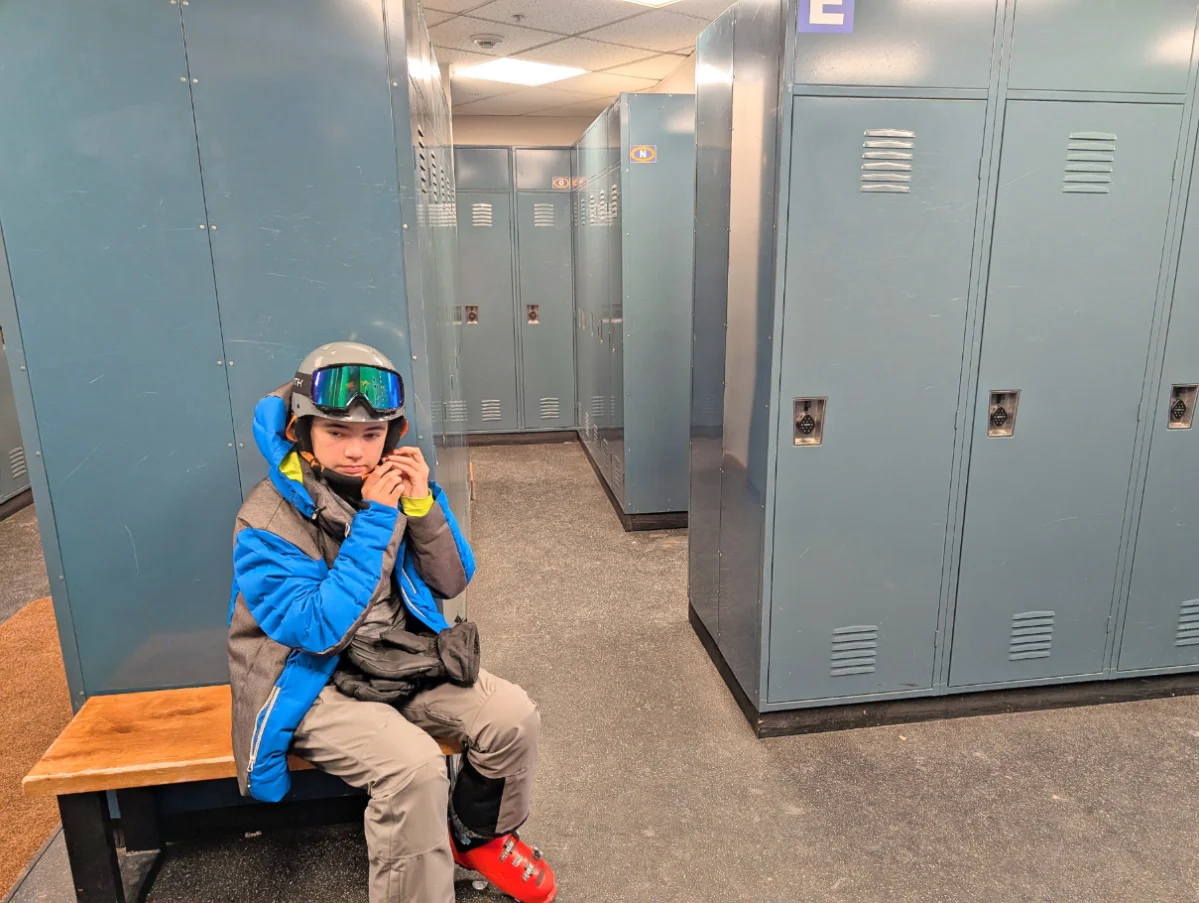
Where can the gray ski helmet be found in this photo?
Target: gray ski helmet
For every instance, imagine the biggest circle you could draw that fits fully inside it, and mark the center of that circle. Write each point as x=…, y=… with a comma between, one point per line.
x=338, y=354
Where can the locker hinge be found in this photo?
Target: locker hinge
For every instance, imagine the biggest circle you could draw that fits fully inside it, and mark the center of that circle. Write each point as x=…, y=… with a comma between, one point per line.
x=1110, y=622
x=937, y=640
x=1139, y=406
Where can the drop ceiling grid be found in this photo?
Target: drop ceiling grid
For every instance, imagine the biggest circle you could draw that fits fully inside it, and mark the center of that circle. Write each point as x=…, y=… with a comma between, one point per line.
x=575, y=25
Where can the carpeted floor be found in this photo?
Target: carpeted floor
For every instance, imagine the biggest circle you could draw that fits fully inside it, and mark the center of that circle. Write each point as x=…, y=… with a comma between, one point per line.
x=36, y=707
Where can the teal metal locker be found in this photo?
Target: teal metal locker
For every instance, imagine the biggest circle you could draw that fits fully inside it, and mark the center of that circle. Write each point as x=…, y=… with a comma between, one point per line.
x=545, y=288
x=486, y=290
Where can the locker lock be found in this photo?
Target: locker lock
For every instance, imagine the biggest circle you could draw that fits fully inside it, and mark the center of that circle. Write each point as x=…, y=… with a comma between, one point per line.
x=809, y=421
x=1001, y=413
x=472, y=315
x=1182, y=406
x=533, y=314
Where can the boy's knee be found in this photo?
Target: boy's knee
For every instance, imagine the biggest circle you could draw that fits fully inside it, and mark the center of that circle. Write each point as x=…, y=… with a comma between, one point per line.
x=421, y=773
x=515, y=723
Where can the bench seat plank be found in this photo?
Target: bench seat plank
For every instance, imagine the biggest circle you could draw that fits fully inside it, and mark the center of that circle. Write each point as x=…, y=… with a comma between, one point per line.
x=146, y=740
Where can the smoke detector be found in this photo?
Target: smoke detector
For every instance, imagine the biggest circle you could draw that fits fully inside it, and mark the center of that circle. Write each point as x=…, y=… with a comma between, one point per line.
x=486, y=41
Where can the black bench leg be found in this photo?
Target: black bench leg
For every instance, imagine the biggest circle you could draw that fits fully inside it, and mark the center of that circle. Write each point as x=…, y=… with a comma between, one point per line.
x=91, y=848
x=139, y=821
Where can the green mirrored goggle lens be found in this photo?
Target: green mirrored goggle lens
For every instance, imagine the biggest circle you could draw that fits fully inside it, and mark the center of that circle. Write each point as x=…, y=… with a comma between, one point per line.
x=336, y=388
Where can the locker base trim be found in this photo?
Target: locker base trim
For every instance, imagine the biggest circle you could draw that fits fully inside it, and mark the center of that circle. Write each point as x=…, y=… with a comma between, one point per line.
x=634, y=523
x=22, y=499
x=838, y=717
x=528, y=437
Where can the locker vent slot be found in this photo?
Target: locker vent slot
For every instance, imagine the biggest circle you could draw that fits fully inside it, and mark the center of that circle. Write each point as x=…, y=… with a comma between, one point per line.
x=481, y=215
x=618, y=475
x=854, y=650
x=594, y=433
x=597, y=405
x=1032, y=635
x=1090, y=162
x=493, y=409
x=543, y=216
x=456, y=411
x=17, y=463
x=602, y=212
x=613, y=204
x=887, y=161
x=1188, y=624
x=551, y=409
x=443, y=215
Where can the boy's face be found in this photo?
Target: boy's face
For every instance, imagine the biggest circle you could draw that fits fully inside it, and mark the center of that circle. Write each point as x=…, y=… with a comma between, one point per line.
x=350, y=449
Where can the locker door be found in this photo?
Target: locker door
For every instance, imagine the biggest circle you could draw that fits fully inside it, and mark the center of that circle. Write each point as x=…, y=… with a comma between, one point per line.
x=547, y=309
x=878, y=272
x=1161, y=628
x=1083, y=199
x=485, y=293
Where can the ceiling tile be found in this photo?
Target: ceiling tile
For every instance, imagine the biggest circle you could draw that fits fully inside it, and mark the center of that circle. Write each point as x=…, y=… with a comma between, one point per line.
x=660, y=30
x=566, y=18
x=587, y=108
x=590, y=55
x=656, y=67
x=433, y=17
x=465, y=90
x=452, y=6
x=459, y=59
x=457, y=32
x=519, y=103
x=704, y=9
x=604, y=84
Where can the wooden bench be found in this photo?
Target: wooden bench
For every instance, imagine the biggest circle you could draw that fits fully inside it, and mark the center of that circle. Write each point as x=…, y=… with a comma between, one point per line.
x=129, y=744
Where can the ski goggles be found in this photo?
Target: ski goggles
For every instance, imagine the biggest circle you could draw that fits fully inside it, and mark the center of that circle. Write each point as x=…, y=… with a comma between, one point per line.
x=335, y=389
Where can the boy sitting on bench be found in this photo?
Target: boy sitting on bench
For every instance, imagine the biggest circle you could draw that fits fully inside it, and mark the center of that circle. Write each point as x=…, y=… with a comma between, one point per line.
x=338, y=650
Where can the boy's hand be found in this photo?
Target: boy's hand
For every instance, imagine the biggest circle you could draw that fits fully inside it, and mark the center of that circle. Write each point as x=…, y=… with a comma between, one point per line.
x=384, y=485
x=410, y=462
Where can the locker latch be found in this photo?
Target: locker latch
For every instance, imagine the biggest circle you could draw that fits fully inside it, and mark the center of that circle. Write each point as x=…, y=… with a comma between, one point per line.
x=533, y=314
x=472, y=315
x=457, y=314
x=1182, y=406
x=809, y=420
x=1001, y=413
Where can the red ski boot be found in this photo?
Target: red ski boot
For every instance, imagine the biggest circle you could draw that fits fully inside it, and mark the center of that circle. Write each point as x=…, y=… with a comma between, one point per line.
x=513, y=866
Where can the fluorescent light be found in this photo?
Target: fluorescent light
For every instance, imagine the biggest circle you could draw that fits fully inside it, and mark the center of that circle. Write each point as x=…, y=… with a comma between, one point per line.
x=653, y=2
x=519, y=72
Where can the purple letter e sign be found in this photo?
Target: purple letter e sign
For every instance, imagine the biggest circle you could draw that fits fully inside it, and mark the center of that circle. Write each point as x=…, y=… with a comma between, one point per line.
x=826, y=16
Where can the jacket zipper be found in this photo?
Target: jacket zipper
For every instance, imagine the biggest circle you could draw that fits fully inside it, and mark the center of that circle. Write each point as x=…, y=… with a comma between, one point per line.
x=256, y=739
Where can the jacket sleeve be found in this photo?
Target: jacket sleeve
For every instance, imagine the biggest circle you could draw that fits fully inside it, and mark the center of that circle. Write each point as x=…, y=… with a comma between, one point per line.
x=300, y=603
x=442, y=557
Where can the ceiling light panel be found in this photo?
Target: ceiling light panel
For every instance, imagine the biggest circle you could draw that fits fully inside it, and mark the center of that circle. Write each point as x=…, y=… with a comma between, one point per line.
x=519, y=72
x=653, y=2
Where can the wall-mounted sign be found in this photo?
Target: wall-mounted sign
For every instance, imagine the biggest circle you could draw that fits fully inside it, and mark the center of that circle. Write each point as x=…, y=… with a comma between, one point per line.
x=643, y=153
x=561, y=184
x=835, y=16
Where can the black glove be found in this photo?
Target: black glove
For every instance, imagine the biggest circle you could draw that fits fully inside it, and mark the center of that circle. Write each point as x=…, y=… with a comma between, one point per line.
x=399, y=655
